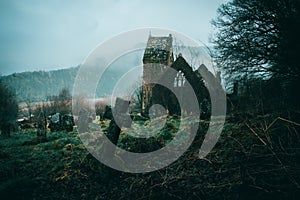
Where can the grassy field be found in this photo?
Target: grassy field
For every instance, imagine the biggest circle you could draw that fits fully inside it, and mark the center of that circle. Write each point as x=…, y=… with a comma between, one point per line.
x=255, y=158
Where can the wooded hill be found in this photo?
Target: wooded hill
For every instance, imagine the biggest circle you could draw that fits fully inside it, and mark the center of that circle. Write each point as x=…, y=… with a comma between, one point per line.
x=38, y=85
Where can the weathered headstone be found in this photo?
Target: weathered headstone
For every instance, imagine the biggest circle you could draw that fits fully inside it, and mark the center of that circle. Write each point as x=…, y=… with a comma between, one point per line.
x=107, y=113
x=55, y=120
x=68, y=122
x=41, y=125
x=119, y=119
x=83, y=121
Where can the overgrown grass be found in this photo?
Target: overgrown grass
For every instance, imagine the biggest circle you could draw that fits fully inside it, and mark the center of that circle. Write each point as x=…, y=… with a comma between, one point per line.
x=257, y=157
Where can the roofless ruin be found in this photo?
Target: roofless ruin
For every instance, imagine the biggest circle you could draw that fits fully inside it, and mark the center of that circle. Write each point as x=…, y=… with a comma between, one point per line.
x=159, y=65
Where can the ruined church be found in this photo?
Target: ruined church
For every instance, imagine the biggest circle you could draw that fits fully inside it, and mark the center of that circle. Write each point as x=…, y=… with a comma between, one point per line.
x=158, y=59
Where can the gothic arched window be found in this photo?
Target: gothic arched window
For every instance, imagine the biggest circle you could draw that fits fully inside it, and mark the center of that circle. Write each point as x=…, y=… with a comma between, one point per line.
x=179, y=79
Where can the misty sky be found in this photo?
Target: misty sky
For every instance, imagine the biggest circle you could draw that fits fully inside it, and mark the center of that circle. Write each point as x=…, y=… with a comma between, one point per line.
x=44, y=35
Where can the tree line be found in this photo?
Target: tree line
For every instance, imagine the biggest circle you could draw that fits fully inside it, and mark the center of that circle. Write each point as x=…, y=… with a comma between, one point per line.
x=256, y=45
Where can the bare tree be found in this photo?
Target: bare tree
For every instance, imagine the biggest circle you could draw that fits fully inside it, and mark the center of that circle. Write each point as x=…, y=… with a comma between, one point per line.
x=136, y=97
x=260, y=39
x=62, y=102
x=137, y=100
x=194, y=55
x=29, y=108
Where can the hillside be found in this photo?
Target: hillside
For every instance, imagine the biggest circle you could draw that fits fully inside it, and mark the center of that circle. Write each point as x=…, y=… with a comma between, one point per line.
x=36, y=86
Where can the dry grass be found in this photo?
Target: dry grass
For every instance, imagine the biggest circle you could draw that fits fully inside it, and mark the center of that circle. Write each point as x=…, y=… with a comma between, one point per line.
x=255, y=158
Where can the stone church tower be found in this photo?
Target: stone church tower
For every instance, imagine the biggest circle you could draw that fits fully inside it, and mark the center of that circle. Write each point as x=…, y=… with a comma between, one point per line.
x=158, y=54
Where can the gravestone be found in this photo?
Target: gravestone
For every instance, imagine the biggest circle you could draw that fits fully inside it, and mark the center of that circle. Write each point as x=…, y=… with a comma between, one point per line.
x=41, y=125
x=120, y=118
